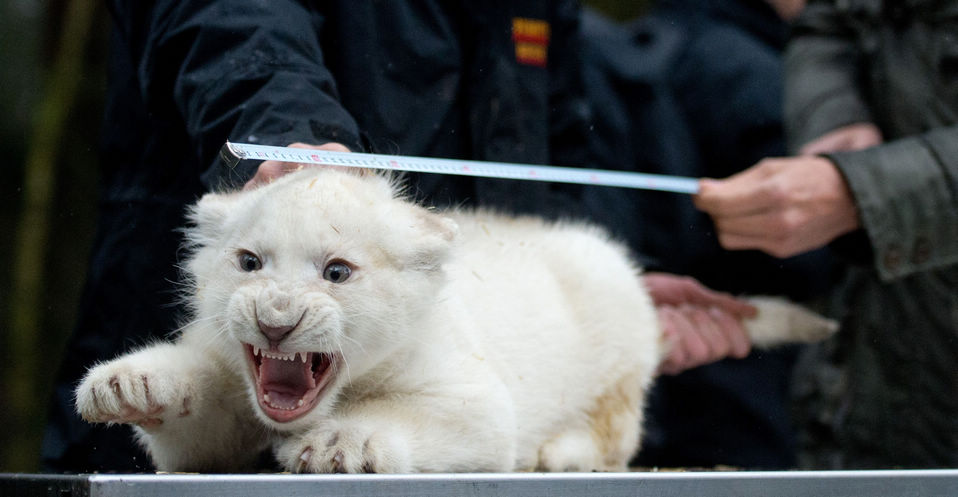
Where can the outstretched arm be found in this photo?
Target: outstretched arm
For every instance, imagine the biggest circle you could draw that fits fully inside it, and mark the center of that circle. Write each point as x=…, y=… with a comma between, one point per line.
x=241, y=70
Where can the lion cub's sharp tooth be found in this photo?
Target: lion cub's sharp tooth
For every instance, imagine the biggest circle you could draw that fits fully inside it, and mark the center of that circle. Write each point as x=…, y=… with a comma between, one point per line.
x=279, y=356
x=302, y=356
x=299, y=403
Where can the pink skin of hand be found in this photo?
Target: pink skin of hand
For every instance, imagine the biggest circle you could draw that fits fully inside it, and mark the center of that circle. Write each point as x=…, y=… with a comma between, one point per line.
x=784, y=206
x=271, y=169
x=848, y=138
x=788, y=206
x=699, y=325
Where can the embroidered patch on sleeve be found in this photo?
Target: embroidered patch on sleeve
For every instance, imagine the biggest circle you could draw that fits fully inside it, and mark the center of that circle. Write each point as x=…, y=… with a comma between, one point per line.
x=531, y=37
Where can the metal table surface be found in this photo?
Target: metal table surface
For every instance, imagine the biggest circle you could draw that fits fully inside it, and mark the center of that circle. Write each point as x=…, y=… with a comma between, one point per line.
x=911, y=483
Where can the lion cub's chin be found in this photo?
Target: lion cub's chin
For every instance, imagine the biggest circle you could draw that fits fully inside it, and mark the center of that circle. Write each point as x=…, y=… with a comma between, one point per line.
x=289, y=385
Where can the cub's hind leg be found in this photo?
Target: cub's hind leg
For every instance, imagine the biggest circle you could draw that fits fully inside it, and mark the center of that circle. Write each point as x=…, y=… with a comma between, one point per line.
x=609, y=437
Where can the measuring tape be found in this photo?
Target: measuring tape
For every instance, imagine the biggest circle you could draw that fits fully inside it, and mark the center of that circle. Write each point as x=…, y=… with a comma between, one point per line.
x=232, y=153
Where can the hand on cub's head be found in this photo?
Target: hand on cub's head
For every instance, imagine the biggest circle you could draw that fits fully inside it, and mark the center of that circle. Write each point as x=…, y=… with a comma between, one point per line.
x=272, y=169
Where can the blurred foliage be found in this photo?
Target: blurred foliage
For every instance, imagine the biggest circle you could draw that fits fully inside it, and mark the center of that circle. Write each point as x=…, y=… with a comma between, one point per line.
x=51, y=89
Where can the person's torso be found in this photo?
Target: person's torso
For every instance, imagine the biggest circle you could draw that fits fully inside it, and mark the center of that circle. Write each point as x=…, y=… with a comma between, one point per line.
x=445, y=79
x=909, y=62
x=425, y=77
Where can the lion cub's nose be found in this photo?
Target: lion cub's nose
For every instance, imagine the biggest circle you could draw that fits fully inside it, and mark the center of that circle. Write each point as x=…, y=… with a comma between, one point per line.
x=274, y=333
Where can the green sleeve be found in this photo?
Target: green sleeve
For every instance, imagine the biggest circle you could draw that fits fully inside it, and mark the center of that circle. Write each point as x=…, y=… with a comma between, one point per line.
x=907, y=196
x=821, y=76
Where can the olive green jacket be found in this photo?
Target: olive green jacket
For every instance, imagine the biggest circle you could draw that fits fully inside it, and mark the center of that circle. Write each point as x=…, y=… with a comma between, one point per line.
x=895, y=64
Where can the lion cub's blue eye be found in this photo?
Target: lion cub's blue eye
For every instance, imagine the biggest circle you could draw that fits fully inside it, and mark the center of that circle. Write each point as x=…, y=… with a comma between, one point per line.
x=249, y=262
x=336, y=272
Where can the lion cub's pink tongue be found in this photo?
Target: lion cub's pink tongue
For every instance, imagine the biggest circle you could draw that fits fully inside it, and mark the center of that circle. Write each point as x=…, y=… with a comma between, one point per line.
x=285, y=382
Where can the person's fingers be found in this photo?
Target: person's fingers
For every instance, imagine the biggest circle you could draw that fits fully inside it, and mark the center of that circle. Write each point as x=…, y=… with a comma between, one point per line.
x=270, y=170
x=703, y=296
x=762, y=224
x=696, y=336
x=715, y=341
x=669, y=289
x=784, y=238
x=672, y=355
x=736, y=241
x=331, y=146
x=739, y=344
x=674, y=326
x=696, y=349
x=748, y=192
x=266, y=172
x=781, y=248
x=855, y=136
x=733, y=235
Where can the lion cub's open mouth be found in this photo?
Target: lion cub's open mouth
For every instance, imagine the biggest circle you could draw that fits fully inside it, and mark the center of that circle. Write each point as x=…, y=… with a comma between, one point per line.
x=289, y=385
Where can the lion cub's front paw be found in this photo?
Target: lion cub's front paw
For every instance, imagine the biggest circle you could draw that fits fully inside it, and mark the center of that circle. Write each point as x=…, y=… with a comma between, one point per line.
x=126, y=391
x=344, y=447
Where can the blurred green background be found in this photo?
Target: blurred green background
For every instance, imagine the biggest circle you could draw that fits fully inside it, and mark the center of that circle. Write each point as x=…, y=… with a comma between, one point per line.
x=52, y=80
x=52, y=83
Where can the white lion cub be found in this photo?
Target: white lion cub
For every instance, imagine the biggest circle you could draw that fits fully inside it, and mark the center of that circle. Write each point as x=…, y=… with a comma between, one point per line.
x=355, y=331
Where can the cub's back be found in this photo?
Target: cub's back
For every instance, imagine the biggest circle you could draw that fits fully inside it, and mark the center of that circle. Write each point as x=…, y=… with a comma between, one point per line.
x=559, y=306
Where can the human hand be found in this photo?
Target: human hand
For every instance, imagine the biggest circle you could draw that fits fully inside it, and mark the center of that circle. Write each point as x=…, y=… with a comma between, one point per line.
x=673, y=290
x=699, y=325
x=697, y=335
x=272, y=169
x=848, y=138
x=783, y=206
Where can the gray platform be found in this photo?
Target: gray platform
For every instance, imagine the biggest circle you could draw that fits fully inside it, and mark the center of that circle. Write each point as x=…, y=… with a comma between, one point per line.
x=943, y=483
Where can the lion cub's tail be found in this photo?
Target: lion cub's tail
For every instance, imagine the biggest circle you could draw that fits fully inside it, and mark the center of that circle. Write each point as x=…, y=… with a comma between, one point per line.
x=780, y=321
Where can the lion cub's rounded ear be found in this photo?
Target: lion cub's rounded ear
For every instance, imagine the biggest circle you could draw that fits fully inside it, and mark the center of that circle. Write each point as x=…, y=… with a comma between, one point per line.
x=443, y=227
x=208, y=216
x=434, y=237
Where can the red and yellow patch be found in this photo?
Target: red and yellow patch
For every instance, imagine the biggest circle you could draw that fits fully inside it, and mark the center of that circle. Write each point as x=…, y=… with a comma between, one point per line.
x=531, y=37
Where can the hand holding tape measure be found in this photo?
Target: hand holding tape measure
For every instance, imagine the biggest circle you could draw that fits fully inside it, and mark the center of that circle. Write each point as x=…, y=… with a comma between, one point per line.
x=232, y=153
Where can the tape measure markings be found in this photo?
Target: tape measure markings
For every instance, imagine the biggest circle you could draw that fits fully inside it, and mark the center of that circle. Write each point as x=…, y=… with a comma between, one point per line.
x=232, y=153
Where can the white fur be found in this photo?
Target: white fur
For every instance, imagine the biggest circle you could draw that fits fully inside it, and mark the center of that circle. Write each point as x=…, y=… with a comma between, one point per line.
x=468, y=341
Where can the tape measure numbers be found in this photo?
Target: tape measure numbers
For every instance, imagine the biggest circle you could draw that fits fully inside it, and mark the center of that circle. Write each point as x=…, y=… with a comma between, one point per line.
x=232, y=153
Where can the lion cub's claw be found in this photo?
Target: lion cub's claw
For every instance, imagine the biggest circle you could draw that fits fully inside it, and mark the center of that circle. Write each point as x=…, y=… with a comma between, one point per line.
x=117, y=392
x=343, y=448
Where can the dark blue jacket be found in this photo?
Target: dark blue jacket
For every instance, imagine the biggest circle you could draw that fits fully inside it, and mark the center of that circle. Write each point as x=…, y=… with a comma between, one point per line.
x=418, y=77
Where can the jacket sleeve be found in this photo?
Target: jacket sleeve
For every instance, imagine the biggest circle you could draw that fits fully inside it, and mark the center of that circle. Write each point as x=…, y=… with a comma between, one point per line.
x=240, y=69
x=906, y=192
x=821, y=76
